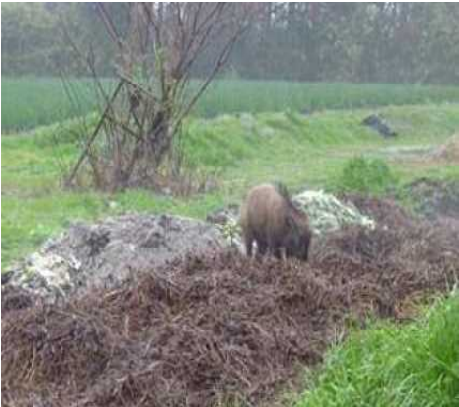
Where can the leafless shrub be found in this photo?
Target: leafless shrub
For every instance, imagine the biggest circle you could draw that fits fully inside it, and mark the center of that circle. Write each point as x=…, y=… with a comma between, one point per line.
x=156, y=53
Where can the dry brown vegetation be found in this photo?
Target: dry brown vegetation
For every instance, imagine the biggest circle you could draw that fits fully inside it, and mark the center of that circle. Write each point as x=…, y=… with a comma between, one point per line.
x=220, y=327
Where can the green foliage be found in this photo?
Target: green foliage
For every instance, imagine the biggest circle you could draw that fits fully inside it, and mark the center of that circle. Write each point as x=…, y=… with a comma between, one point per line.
x=28, y=38
x=416, y=365
x=367, y=176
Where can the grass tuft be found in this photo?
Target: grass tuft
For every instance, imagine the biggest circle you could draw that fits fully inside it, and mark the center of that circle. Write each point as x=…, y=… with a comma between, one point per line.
x=416, y=365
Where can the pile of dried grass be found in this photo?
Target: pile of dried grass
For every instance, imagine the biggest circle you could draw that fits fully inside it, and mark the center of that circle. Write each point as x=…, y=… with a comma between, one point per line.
x=447, y=152
x=219, y=327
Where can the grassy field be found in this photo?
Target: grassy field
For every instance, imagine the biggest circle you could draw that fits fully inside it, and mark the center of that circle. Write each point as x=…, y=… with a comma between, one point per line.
x=245, y=150
x=416, y=365
x=32, y=102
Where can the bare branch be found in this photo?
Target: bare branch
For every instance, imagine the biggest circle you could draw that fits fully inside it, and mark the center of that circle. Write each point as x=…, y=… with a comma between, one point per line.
x=110, y=26
x=218, y=65
x=94, y=134
x=157, y=49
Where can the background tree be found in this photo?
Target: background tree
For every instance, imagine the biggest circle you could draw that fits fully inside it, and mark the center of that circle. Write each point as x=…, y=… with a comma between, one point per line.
x=156, y=48
x=358, y=42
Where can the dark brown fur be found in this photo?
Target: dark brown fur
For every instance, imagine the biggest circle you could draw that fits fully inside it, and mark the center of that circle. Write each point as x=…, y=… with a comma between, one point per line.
x=269, y=218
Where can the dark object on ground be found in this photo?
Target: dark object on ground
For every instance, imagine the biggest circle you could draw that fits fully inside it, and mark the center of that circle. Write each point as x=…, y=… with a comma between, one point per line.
x=378, y=124
x=269, y=217
x=220, y=328
x=6, y=276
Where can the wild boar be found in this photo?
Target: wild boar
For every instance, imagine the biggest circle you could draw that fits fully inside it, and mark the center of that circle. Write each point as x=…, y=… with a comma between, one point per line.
x=269, y=218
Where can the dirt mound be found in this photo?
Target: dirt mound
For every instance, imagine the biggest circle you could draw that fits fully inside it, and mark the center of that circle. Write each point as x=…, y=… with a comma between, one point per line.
x=104, y=254
x=220, y=327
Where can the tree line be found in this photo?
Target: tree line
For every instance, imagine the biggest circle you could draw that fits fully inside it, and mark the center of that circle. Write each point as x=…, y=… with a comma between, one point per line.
x=335, y=42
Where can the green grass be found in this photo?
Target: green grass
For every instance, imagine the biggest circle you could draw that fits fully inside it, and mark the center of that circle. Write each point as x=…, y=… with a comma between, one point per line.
x=368, y=176
x=387, y=365
x=232, y=96
x=300, y=151
x=31, y=102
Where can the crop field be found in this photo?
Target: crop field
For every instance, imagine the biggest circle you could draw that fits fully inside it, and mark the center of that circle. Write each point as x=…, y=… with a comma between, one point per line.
x=281, y=351
x=36, y=102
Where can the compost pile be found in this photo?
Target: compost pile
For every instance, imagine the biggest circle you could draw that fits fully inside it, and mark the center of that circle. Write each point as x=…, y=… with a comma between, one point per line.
x=219, y=328
x=106, y=253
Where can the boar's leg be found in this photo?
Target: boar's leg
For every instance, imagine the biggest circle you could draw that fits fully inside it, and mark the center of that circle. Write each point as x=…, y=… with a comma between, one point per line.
x=262, y=247
x=278, y=253
x=248, y=240
x=274, y=247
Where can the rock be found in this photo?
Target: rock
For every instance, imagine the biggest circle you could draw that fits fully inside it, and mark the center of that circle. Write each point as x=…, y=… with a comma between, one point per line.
x=378, y=124
x=109, y=252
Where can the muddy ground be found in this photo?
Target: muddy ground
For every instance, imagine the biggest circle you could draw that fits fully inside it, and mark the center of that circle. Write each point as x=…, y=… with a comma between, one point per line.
x=220, y=327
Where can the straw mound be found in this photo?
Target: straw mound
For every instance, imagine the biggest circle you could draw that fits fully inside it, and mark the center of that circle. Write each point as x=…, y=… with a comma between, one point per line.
x=219, y=327
x=449, y=151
